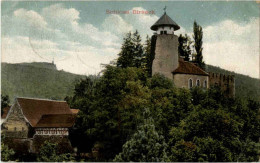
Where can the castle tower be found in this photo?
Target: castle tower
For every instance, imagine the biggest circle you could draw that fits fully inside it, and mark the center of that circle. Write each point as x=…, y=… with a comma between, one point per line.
x=166, y=58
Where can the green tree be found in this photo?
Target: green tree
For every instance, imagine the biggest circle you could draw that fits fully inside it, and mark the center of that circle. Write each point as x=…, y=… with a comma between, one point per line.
x=126, y=56
x=184, y=47
x=132, y=52
x=139, y=57
x=48, y=153
x=5, y=101
x=197, y=36
x=146, y=145
x=111, y=112
x=147, y=54
x=217, y=129
x=6, y=153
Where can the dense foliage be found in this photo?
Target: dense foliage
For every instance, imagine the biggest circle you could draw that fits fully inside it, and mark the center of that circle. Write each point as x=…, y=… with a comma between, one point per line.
x=197, y=124
x=48, y=153
x=145, y=145
x=6, y=153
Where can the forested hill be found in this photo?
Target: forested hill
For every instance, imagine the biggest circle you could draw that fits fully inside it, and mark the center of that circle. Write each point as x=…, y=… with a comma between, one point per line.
x=37, y=80
x=43, y=80
x=246, y=87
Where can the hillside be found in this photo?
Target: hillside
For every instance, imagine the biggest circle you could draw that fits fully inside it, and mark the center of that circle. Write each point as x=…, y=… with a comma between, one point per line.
x=38, y=80
x=246, y=87
x=43, y=80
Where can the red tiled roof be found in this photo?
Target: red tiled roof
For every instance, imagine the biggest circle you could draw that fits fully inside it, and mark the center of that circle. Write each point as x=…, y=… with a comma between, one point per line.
x=189, y=68
x=5, y=112
x=34, y=109
x=56, y=120
x=74, y=111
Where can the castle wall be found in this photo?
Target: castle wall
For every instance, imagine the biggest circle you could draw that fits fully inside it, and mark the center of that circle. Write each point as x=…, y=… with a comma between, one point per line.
x=225, y=82
x=15, y=125
x=166, y=55
x=182, y=80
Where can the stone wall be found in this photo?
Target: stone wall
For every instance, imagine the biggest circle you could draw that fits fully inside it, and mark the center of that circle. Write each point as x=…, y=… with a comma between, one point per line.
x=182, y=80
x=166, y=58
x=225, y=82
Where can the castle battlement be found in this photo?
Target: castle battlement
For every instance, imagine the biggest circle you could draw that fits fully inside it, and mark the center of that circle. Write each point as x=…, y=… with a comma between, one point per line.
x=221, y=77
x=225, y=82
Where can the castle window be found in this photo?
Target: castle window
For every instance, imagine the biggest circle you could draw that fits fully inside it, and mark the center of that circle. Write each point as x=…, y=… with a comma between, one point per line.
x=198, y=83
x=161, y=32
x=205, y=84
x=190, y=83
x=165, y=32
x=14, y=128
x=22, y=129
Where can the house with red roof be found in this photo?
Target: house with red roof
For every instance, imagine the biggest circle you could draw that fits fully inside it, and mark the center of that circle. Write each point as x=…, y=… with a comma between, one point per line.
x=30, y=118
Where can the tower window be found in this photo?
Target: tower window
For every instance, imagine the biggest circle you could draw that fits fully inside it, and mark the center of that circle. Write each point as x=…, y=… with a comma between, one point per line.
x=190, y=83
x=198, y=83
x=14, y=128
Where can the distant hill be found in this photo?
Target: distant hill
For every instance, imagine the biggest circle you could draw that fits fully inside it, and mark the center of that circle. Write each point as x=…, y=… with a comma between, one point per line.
x=246, y=87
x=38, y=80
x=43, y=80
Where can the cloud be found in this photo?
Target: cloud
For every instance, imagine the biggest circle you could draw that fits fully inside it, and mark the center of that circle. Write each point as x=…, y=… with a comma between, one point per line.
x=233, y=46
x=31, y=17
x=141, y=22
x=116, y=24
x=56, y=32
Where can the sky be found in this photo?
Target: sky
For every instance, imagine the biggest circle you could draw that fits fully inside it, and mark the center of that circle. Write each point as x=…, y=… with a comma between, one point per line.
x=81, y=36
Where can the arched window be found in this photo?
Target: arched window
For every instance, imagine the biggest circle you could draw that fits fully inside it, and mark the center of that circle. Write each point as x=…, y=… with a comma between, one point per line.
x=14, y=128
x=165, y=32
x=198, y=83
x=205, y=84
x=190, y=83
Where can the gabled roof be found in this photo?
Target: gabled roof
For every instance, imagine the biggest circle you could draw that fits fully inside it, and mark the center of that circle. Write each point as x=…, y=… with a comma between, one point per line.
x=189, y=68
x=165, y=20
x=35, y=109
x=56, y=120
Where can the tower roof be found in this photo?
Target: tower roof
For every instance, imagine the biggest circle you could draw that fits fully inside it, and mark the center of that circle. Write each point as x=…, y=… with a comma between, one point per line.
x=165, y=20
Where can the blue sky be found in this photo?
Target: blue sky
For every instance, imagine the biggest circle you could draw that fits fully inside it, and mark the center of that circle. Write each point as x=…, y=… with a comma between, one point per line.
x=80, y=35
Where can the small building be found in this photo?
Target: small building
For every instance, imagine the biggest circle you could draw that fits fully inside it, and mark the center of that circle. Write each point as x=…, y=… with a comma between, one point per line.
x=188, y=75
x=167, y=61
x=29, y=119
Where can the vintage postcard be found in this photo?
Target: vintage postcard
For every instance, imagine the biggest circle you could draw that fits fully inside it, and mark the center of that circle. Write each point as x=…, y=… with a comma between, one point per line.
x=130, y=81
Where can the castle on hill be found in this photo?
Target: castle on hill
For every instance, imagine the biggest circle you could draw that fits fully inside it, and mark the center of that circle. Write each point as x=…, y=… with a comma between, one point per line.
x=184, y=74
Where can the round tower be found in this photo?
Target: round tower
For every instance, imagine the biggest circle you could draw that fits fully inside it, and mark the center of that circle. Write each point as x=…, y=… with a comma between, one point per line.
x=166, y=58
